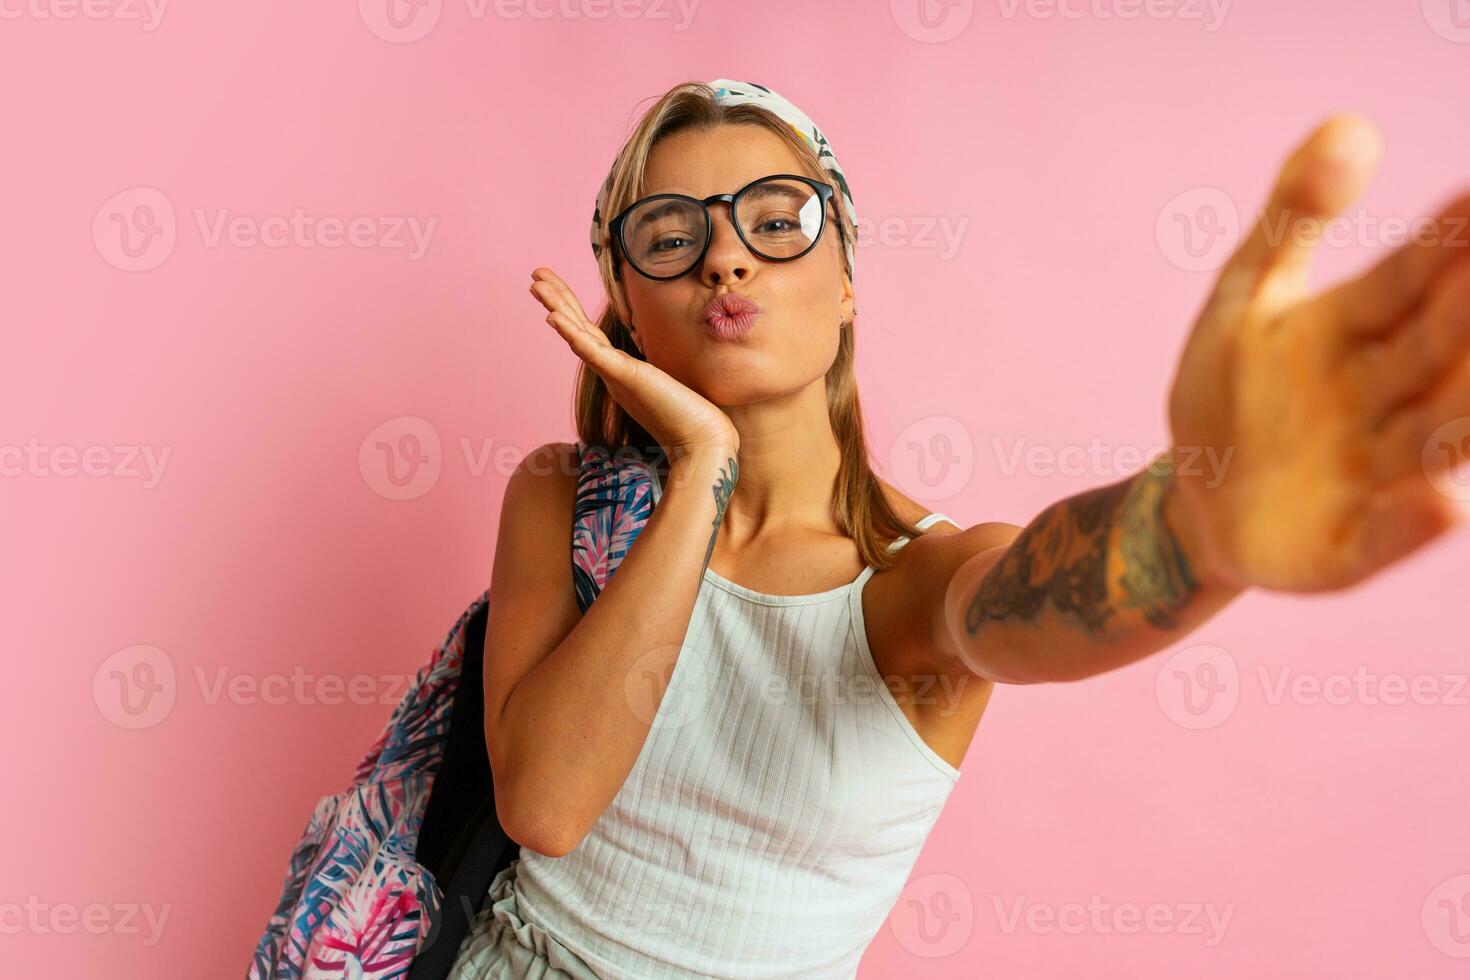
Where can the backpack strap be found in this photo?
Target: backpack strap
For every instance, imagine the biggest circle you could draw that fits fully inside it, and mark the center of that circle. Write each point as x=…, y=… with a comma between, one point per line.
x=615, y=498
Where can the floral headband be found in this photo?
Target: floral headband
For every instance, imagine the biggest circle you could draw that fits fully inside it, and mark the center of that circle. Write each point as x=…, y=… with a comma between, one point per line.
x=730, y=92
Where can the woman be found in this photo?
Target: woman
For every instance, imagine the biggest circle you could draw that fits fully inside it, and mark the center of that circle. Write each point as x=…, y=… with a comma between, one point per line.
x=771, y=835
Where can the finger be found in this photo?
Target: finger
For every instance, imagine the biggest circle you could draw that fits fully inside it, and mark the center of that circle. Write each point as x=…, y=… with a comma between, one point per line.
x=555, y=303
x=1401, y=444
x=1420, y=352
x=1397, y=520
x=1373, y=303
x=557, y=289
x=591, y=345
x=1325, y=172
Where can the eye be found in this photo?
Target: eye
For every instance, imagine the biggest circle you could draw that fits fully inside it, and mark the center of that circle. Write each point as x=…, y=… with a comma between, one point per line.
x=671, y=243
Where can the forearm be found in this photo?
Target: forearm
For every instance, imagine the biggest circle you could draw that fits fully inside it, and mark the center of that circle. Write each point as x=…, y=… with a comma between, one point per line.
x=580, y=718
x=1095, y=582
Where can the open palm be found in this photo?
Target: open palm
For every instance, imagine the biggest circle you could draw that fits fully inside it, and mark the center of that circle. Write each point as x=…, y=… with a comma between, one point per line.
x=1322, y=407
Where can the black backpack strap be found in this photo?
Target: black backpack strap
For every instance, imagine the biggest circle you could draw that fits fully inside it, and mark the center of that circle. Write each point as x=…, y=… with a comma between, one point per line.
x=485, y=850
x=463, y=781
x=461, y=841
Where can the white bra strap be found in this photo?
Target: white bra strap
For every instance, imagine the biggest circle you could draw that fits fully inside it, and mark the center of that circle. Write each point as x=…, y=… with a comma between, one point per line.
x=922, y=524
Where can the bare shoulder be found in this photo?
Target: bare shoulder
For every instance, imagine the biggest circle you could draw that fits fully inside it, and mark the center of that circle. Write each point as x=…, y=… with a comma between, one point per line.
x=924, y=567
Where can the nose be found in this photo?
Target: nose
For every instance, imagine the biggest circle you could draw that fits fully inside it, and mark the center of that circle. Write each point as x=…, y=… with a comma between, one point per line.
x=727, y=259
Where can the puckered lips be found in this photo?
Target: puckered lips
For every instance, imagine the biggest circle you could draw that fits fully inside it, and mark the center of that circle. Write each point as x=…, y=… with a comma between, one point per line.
x=730, y=315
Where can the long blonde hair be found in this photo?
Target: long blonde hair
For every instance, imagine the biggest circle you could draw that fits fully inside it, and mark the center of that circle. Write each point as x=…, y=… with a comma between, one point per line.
x=859, y=506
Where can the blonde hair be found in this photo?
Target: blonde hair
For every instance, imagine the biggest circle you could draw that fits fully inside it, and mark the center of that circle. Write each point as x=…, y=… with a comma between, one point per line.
x=859, y=506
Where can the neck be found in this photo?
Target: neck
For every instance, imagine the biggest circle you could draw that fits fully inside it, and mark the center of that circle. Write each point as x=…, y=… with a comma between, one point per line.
x=789, y=457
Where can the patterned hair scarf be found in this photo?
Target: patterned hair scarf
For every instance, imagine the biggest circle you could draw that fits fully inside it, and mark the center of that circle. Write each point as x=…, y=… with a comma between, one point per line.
x=730, y=92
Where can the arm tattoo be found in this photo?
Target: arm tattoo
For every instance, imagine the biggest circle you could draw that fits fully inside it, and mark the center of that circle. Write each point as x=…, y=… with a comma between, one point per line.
x=1064, y=556
x=722, y=491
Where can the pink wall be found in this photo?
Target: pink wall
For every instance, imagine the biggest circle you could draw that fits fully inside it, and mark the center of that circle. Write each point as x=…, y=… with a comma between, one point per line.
x=1023, y=285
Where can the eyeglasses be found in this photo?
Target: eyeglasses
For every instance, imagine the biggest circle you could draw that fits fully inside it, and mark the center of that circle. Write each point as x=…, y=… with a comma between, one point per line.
x=779, y=218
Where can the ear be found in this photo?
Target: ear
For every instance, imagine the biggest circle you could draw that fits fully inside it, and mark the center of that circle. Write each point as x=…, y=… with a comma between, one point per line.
x=846, y=302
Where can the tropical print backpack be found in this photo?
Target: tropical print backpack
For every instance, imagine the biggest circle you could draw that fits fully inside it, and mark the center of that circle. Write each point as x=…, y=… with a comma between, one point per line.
x=356, y=902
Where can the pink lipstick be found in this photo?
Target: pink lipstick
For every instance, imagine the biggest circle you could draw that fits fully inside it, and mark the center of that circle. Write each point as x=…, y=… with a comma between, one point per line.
x=730, y=315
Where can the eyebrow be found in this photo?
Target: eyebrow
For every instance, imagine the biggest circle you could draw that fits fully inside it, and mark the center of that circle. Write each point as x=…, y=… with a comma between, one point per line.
x=654, y=213
x=651, y=213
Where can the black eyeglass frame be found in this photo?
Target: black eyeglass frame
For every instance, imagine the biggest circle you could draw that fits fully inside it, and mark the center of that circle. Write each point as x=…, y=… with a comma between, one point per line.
x=824, y=191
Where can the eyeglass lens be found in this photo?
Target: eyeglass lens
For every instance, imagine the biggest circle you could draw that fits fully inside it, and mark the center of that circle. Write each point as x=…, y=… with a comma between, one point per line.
x=779, y=219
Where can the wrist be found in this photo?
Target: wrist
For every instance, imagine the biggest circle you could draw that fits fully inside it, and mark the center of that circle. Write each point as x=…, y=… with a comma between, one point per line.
x=705, y=464
x=1186, y=525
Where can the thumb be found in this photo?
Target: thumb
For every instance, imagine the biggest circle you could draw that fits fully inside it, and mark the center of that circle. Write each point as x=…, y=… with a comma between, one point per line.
x=1325, y=173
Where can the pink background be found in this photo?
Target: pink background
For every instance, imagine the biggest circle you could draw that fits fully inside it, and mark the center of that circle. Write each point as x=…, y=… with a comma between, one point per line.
x=1056, y=145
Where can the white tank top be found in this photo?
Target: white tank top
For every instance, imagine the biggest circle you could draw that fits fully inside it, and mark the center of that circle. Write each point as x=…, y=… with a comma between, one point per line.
x=774, y=813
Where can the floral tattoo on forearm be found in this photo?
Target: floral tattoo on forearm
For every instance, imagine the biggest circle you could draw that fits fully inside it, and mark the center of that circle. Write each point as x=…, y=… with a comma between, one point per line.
x=1063, y=556
x=722, y=490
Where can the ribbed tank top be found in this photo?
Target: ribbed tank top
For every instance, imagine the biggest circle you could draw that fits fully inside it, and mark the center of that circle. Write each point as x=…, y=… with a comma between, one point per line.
x=774, y=813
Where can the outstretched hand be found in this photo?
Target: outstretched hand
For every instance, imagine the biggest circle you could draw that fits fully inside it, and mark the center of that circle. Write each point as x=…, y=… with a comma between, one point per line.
x=1323, y=406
